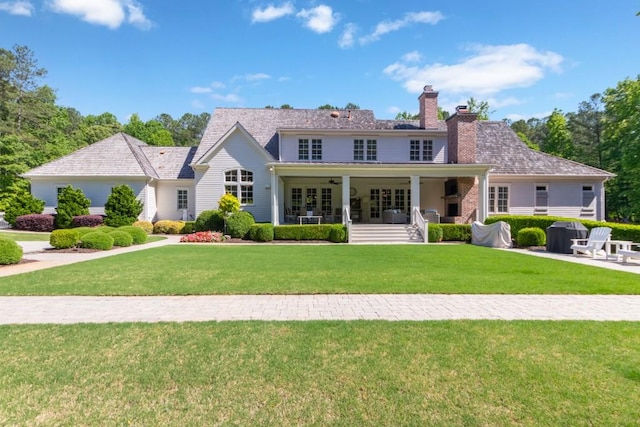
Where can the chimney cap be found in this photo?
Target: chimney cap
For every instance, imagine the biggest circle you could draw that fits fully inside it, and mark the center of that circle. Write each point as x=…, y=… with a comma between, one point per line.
x=462, y=109
x=428, y=88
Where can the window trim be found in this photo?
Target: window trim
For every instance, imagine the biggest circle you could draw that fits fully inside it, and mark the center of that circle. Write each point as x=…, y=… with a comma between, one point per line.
x=421, y=150
x=539, y=208
x=240, y=187
x=591, y=208
x=493, y=208
x=178, y=190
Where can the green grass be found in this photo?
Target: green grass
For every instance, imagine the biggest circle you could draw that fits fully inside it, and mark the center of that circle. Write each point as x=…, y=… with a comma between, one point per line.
x=322, y=373
x=310, y=269
x=25, y=236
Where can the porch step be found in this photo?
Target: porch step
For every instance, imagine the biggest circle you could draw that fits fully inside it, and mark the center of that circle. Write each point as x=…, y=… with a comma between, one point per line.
x=384, y=233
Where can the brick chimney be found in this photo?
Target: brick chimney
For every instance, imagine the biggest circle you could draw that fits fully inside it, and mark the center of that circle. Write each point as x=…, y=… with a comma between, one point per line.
x=462, y=135
x=428, y=108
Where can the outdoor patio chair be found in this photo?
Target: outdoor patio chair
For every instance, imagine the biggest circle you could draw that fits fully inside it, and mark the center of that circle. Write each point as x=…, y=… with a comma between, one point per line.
x=594, y=244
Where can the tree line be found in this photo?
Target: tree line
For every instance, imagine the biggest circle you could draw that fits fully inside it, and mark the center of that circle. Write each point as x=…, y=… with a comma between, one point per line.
x=603, y=132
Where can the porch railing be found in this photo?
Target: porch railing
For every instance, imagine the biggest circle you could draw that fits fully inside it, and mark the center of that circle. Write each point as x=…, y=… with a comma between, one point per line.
x=422, y=224
x=346, y=220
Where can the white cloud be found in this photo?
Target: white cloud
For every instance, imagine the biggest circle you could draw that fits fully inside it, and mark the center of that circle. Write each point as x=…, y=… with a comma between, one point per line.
x=347, y=38
x=490, y=70
x=110, y=13
x=271, y=13
x=414, y=56
x=386, y=27
x=230, y=98
x=218, y=85
x=198, y=105
x=257, y=76
x=22, y=8
x=136, y=16
x=200, y=89
x=320, y=19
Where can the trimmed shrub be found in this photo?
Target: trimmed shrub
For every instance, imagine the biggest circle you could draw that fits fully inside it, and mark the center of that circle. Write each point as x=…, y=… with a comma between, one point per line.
x=261, y=232
x=167, y=226
x=122, y=207
x=121, y=238
x=435, y=233
x=138, y=234
x=22, y=203
x=71, y=202
x=35, y=222
x=531, y=236
x=147, y=226
x=189, y=227
x=239, y=223
x=10, y=252
x=97, y=240
x=104, y=228
x=87, y=221
x=310, y=232
x=338, y=233
x=211, y=220
x=84, y=230
x=456, y=232
x=64, y=238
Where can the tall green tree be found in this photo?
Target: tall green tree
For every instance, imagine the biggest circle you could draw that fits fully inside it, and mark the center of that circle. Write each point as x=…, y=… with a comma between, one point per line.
x=586, y=127
x=558, y=141
x=151, y=132
x=621, y=150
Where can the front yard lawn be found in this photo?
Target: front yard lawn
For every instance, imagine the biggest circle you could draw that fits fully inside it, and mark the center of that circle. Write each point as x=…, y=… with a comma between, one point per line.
x=25, y=236
x=490, y=373
x=309, y=269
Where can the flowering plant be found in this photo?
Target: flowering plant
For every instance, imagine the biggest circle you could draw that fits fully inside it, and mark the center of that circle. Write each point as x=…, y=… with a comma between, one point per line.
x=203, y=237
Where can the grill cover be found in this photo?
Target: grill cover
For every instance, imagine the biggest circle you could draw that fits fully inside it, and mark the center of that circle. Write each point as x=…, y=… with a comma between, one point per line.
x=560, y=233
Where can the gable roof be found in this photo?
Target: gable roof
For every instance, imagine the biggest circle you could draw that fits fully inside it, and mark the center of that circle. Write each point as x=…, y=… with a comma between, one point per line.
x=499, y=145
x=120, y=155
x=237, y=127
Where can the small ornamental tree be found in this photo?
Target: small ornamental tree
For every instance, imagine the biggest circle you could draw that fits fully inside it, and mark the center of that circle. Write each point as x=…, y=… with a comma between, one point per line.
x=22, y=203
x=71, y=202
x=228, y=204
x=122, y=207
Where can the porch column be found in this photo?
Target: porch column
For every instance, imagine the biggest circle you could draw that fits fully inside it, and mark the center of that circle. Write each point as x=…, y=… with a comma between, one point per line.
x=483, y=197
x=346, y=192
x=275, y=214
x=415, y=195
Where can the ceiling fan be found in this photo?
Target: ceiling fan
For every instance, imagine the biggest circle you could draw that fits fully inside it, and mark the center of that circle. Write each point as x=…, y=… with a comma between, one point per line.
x=333, y=181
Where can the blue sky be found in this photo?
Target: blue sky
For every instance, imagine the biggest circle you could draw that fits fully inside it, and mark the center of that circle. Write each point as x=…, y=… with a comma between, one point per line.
x=151, y=57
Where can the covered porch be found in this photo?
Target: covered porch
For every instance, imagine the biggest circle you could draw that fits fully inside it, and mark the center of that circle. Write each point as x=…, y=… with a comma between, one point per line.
x=374, y=193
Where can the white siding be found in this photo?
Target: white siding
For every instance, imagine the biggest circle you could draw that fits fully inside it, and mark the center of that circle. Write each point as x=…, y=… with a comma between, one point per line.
x=167, y=197
x=340, y=149
x=96, y=189
x=565, y=197
x=235, y=152
x=150, y=212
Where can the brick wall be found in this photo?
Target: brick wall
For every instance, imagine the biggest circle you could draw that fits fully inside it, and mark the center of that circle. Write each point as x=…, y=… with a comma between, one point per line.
x=469, y=191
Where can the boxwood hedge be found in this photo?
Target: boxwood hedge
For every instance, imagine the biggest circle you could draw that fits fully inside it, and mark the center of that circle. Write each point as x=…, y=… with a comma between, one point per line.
x=97, y=240
x=10, y=252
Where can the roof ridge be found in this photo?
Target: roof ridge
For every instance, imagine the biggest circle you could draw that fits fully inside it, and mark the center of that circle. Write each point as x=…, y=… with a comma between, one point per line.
x=139, y=155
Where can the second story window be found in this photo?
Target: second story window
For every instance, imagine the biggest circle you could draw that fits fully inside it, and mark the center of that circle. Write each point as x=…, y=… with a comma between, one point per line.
x=308, y=151
x=372, y=149
x=358, y=149
x=316, y=149
x=421, y=150
x=303, y=149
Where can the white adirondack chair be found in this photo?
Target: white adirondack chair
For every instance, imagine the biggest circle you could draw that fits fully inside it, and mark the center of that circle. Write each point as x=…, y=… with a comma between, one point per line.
x=594, y=244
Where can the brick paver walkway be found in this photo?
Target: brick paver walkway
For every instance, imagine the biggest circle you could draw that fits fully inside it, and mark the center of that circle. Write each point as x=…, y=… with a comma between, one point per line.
x=77, y=309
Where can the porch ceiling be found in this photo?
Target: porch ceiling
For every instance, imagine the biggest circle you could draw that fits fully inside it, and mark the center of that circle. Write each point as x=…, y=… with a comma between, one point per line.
x=379, y=170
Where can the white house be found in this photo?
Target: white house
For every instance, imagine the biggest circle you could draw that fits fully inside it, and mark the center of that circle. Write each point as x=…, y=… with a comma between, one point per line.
x=282, y=162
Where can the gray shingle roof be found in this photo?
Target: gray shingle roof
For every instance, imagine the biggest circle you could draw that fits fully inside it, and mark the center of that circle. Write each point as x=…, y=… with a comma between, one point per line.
x=499, y=145
x=121, y=155
x=171, y=162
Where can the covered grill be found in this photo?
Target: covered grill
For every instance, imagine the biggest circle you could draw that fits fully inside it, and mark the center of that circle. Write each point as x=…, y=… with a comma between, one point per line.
x=560, y=233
